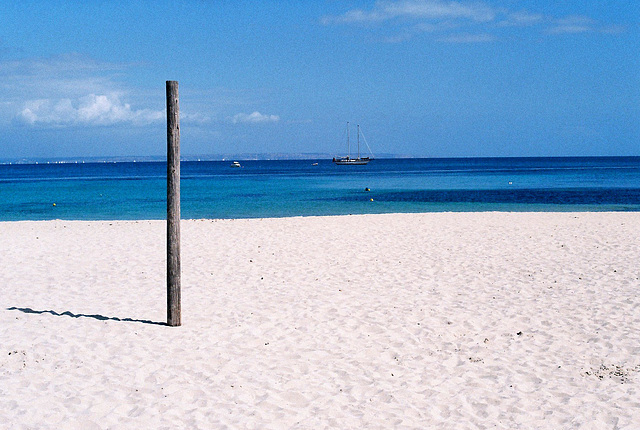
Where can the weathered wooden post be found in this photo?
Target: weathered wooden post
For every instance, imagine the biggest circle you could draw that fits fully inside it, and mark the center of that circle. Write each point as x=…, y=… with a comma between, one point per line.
x=173, y=205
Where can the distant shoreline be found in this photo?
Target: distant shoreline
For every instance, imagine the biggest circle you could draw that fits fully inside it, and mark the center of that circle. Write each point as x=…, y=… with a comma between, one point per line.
x=162, y=158
x=267, y=157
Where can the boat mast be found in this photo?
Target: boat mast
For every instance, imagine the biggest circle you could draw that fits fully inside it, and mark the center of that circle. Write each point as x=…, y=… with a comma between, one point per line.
x=348, y=144
x=358, y=141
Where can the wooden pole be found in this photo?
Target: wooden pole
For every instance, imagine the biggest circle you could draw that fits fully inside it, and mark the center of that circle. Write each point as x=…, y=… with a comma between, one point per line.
x=173, y=206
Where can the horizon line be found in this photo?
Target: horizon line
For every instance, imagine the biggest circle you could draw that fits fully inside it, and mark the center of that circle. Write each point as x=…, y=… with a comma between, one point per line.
x=254, y=157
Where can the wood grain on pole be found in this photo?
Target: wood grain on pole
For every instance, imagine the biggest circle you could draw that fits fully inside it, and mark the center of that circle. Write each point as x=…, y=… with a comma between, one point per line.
x=173, y=205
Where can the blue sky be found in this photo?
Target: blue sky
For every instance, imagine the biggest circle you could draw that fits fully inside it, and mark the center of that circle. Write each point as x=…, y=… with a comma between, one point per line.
x=424, y=78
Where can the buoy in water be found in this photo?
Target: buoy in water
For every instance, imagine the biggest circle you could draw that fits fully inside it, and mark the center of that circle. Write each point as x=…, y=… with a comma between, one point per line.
x=54, y=204
x=367, y=189
x=371, y=199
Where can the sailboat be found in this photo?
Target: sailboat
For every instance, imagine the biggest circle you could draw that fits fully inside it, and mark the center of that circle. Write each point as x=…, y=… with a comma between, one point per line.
x=358, y=161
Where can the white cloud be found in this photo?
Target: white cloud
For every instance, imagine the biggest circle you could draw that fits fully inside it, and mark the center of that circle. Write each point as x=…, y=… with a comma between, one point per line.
x=416, y=9
x=521, y=19
x=255, y=117
x=193, y=118
x=75, y=90
x=440, y=10
x=468, y=38
x=573, y=24
x=105, y=109
x=569, y=29
x=458, y=21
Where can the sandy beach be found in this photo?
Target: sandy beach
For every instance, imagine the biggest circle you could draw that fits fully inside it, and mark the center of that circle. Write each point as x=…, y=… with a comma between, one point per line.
x=405, y=321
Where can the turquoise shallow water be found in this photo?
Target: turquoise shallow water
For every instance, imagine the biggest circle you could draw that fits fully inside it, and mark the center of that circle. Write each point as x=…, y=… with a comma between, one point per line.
x=123, y=190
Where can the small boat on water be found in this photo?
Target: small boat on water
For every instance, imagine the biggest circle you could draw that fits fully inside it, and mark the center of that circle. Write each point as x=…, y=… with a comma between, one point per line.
x=235, y=164
x=348, y=160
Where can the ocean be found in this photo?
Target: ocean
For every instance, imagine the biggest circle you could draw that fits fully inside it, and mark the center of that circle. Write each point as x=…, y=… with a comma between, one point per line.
x=262, y=189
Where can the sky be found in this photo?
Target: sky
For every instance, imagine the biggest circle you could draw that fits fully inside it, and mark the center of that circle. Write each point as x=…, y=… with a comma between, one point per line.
x=423, y=78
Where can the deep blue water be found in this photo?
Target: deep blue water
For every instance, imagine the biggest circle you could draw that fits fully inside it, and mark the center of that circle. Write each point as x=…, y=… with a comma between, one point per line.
x=212, y=189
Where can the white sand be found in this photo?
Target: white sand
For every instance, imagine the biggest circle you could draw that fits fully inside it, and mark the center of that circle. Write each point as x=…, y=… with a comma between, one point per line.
x=452, y=321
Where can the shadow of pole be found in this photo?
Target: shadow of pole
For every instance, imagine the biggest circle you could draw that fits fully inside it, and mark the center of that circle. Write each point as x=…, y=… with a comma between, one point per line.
x=72, y=315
